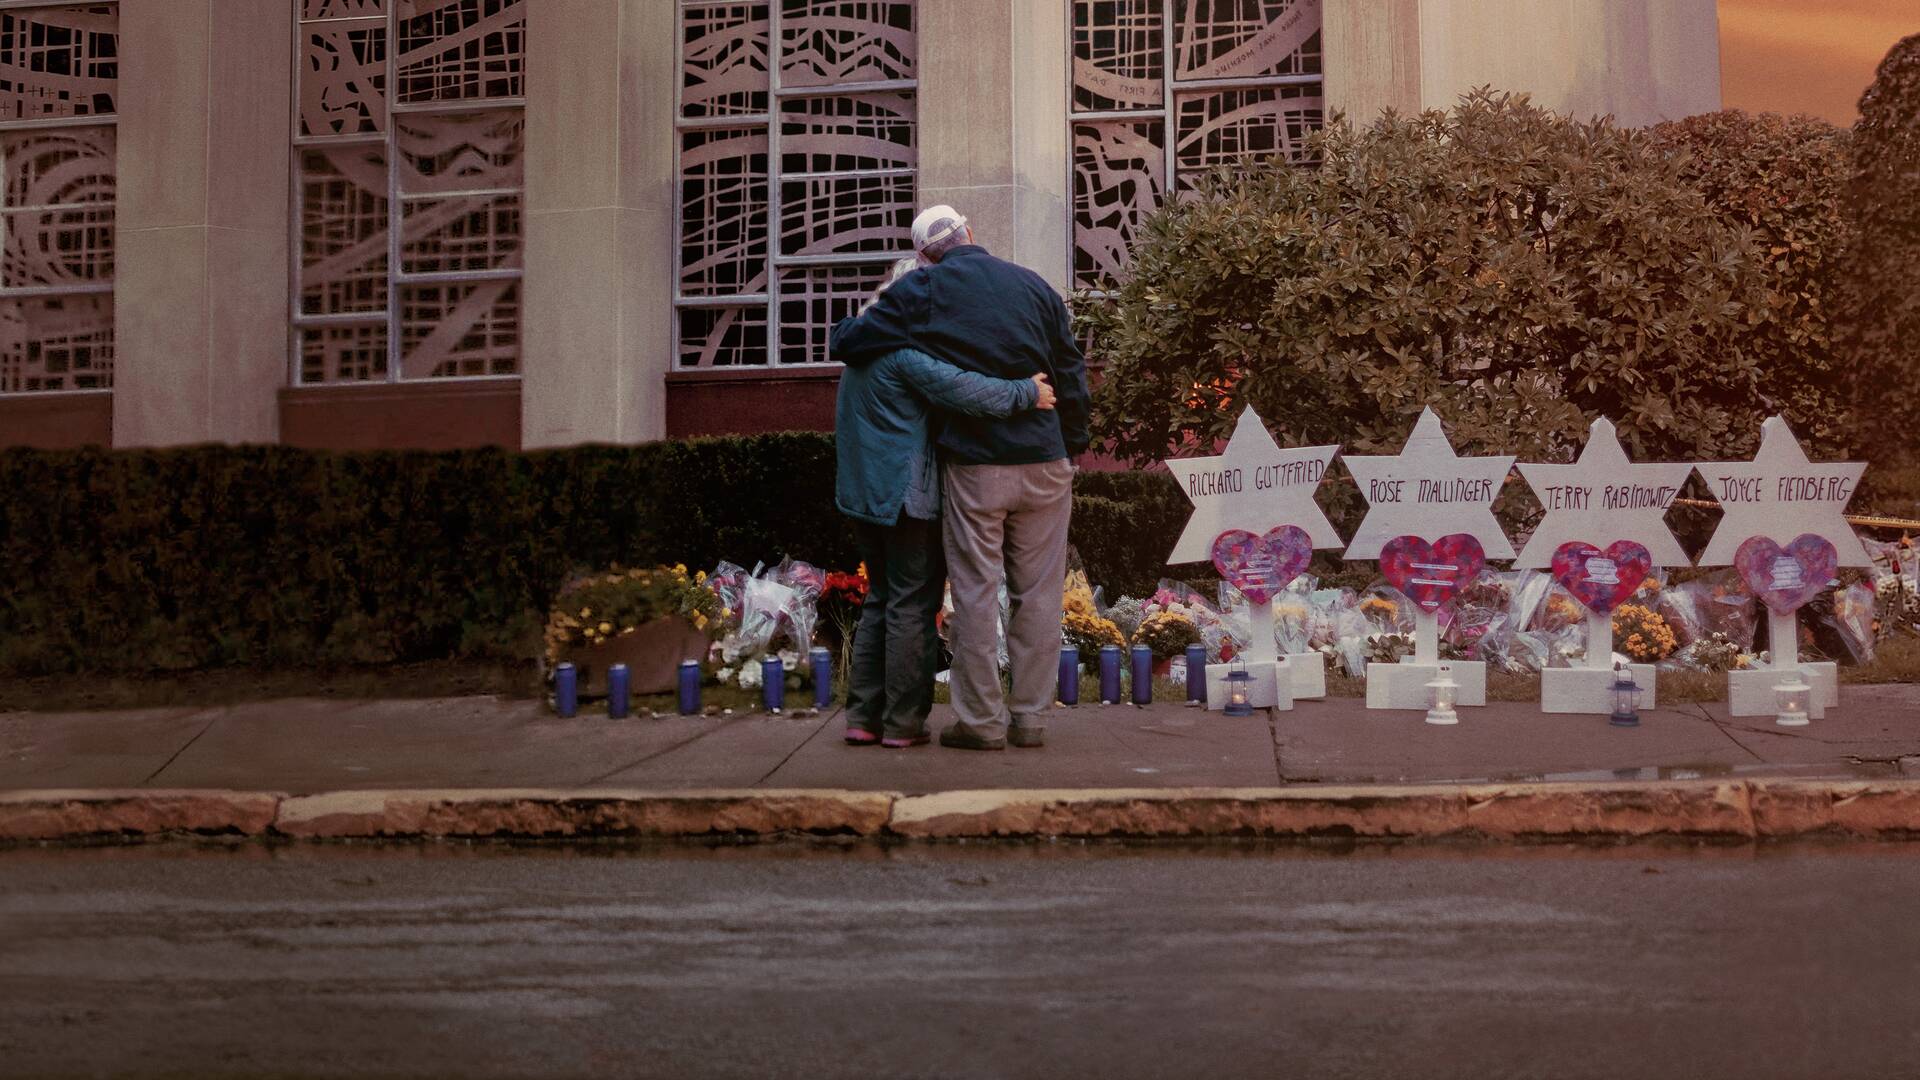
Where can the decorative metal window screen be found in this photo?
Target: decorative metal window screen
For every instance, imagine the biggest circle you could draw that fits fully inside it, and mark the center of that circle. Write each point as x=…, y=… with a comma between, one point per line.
x=59, y=72
x=1231, y=79
x=415, y=110
x=796, y=158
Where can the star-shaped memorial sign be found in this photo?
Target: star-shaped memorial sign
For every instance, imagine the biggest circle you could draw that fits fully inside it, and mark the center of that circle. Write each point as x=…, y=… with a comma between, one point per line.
x=1252, y=485
x=1601, y=498
x=1430, y=492
x=1780, y=495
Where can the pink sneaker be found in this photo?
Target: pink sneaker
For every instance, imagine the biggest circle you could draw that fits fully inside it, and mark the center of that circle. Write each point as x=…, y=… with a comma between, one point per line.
x=901, y=742
x=859, y=736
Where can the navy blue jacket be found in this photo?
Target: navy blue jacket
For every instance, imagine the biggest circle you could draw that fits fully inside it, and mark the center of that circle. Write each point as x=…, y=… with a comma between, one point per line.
x=990, y=316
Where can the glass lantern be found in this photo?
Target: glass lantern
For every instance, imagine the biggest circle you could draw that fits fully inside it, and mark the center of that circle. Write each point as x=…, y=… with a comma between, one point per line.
x=1626, y=699
x=1239, y=690
x=1794, y=700
x=1442, y=694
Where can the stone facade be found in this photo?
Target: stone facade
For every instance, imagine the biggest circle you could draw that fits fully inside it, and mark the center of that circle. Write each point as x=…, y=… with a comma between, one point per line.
x=975, y=106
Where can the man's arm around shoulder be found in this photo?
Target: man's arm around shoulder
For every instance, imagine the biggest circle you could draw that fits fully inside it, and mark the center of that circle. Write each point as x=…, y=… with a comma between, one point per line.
x=950, y=388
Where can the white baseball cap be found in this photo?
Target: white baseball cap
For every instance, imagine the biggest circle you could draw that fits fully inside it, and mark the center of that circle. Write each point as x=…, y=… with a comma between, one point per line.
x=935, y=224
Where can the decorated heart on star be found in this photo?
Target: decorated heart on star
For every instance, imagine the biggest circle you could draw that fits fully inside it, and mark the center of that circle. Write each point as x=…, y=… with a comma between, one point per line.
x=1786, y=578
x=1261, y=566
x=1602, y=580
x=1432, y=574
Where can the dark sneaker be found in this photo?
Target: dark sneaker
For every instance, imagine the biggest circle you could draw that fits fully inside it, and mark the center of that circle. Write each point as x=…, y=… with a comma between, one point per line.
x=957, y=738
x=859, y=736
x=1026, y=736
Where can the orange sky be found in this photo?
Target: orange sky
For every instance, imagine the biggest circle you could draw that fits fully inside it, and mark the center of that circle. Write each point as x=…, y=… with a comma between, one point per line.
x=1807, y=56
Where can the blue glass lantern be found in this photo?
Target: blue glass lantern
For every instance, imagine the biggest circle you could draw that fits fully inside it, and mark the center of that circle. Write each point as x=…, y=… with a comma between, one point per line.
x=1239, y=690
x=1626, y=699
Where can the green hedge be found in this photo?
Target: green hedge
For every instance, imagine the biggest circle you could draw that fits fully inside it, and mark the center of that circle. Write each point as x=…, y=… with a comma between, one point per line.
x=270, y=557
x=1124, y=524
x=131, y=561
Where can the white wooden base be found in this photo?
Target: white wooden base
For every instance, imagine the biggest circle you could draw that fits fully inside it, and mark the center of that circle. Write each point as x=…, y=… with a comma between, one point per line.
x=1404, y=685
x=1309, y=674
x=1269, y=685
x=1751, y=693
x=1590, y=690
x=1824, y=677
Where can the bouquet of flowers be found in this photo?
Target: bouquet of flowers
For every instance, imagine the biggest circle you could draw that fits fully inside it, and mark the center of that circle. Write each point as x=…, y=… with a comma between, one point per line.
x=1127, y=613
x=1177, y=598
x=1714, y=652
x=1896, y=588
x=766, y=610
x=1642, y=634
x=1385, y=607
x=1167, y=633
x=1479, y=628
x=1388, y=647
x=1715, y=602
x=1088, y=632
x=1853, y=617
x=745, y=672
x=840, y=602
x=1077, y=596
x=1290, y=632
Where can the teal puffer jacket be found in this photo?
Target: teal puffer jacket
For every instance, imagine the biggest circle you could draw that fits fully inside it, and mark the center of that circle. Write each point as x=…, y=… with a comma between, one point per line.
x=884, y=424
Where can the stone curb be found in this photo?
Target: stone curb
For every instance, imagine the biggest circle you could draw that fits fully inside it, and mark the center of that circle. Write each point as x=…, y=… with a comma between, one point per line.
x=1708, y=809
x=560, y=814
x=91, y=815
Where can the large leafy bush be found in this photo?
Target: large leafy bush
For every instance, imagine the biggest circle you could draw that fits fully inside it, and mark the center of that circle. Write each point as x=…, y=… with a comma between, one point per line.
x=1521, y=271
x=1882, y=346
x=1785, y=178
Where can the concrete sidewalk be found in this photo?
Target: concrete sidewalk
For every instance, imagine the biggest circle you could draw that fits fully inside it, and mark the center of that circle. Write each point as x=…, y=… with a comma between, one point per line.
x=312, y=746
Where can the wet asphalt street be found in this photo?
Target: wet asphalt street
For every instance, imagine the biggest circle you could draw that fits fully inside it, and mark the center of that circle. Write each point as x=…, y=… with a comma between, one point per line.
x=1046, y=961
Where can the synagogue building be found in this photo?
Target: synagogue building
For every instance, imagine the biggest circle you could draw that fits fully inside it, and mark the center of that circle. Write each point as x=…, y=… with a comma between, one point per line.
x=529, y=223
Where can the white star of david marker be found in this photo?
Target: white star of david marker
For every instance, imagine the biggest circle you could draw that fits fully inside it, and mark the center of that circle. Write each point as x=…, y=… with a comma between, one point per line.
x=1780, y=495
x=1601, y=498
x=1428, y=491
x=1252, y=485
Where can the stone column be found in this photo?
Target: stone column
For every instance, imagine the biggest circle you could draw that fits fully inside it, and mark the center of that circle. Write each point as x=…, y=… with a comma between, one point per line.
x=202, y=221
x=1372, y=51
x=993, y=124
x=597, y=331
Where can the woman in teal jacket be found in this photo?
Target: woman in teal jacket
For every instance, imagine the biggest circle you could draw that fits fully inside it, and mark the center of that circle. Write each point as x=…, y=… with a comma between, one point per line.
x=888, y=481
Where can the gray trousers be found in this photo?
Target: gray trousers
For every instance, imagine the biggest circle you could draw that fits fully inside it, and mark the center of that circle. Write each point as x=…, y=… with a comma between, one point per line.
x=895, y=644
x=1006, y=523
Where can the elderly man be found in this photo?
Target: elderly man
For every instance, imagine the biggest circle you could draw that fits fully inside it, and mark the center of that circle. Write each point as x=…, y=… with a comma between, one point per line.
x=1009, y=481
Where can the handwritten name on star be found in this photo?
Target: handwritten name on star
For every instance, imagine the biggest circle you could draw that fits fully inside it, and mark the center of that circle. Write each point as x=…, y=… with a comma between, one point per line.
x=1268, y=477
x=1456, y=489
x=1782, y=489
x=1557, y=497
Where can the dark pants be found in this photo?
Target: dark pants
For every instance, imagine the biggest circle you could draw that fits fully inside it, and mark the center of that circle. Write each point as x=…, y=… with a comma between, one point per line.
x=895, y=646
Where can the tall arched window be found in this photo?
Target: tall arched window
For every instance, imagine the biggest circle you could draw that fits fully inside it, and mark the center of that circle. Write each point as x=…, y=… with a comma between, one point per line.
x=1231, y=79
x=410, y=110
x=796, y=164
x=59, y=72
